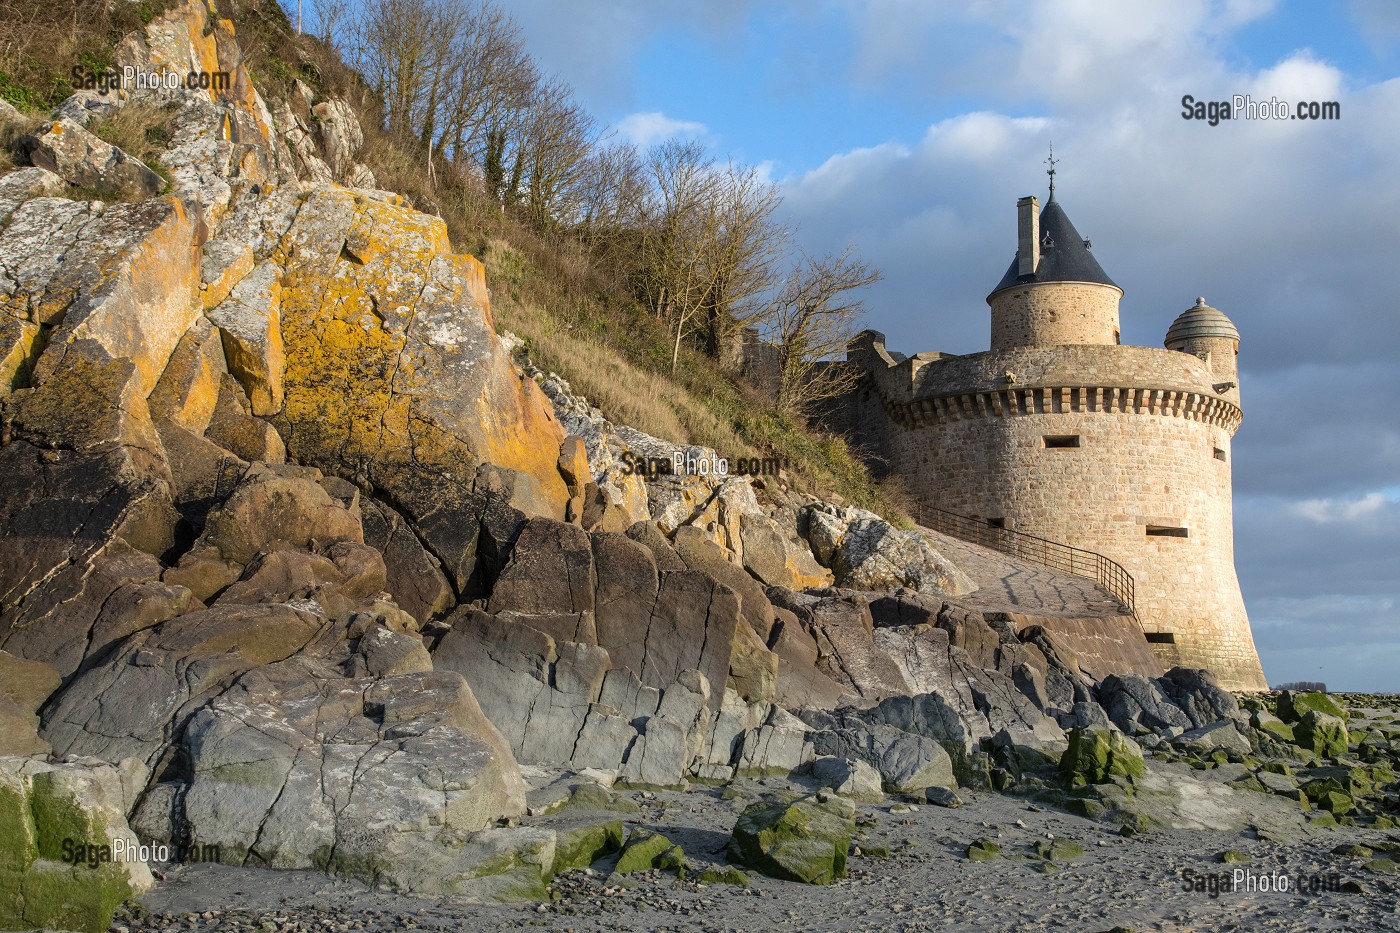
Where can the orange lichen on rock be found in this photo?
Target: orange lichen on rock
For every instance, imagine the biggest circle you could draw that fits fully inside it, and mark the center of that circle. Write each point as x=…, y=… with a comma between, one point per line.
x=394, y=375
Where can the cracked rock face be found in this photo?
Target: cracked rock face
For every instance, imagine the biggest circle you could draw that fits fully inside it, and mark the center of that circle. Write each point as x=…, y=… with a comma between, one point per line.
x=297, y=767
x=868, y=553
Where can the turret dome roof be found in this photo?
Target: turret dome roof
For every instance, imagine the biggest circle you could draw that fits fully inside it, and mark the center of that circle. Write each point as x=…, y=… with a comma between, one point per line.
x=1201, y=320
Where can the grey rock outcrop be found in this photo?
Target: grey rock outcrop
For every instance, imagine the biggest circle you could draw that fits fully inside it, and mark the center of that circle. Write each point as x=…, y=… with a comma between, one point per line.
x=868, y=553
x=85, y=161
x=297, y=767
x=1136, y=704
x=1200, y=696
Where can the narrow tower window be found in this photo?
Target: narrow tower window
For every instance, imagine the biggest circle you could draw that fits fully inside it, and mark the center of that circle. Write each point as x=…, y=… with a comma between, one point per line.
x=1220, y=454
x=1165, y=531
x=1161, y=638
x=1061, y=440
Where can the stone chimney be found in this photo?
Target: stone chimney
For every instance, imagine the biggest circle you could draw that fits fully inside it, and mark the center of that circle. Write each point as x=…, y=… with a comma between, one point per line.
x=1028, y=235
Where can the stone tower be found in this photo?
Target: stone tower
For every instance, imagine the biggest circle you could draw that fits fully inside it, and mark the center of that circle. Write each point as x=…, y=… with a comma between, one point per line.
x=1061, y=432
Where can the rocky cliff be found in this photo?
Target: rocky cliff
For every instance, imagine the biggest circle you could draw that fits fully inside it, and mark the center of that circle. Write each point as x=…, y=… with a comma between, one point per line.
x=302, y=564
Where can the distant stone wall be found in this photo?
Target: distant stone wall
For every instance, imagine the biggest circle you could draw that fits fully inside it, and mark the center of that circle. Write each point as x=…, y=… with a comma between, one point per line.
x=1052, y=315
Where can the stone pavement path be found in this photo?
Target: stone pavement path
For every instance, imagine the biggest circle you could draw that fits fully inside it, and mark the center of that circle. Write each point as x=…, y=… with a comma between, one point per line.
x=1007, y=584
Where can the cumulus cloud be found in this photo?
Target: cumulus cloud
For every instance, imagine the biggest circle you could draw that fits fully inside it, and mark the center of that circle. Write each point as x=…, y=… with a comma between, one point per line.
x=1326, y=511
x=647, y=129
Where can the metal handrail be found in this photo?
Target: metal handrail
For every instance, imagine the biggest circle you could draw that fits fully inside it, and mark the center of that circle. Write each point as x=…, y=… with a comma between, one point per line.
x=1108, y=573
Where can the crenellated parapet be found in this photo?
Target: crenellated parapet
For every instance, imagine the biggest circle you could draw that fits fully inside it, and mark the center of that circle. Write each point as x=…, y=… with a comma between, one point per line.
x=1043, y=400
x=934, y=388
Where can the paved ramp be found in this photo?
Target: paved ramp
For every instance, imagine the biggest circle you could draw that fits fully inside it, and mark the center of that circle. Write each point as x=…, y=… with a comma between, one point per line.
x=1006, y=584
x=1082, y=615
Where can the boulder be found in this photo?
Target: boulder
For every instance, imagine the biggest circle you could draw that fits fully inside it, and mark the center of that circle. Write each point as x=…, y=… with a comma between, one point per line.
x=645, y=850
x=932, y=716
x=849, y=777
x=276, y=508
x=1217, y=735
x=805, y=840
x=943, y=797
x=70, y=859
x=85, y=106
x=1293, y=706
x=24, y=184
x=906, y=763
x=1097, y=756
x=581, y=846
x=1322, y=733
x=1272, y=726
x=775, y=559
x=1136, y=705
x=874, y=555
x=1200, y=696
x=85, y=161
x=778, y=746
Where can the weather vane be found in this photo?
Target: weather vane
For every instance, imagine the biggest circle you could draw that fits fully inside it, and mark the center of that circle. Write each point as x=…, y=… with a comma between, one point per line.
x=1051, y=162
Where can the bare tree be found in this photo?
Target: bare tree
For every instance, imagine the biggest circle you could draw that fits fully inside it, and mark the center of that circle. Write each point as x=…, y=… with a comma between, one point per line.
x=447, y=71
x=555, y=142
x=811, y=322
x=745, y=254
x=708, y=244
x=328, y=19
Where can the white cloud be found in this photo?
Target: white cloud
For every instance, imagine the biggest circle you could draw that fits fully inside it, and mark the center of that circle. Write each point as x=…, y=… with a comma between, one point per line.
x=647, y=129
x=1326, y=511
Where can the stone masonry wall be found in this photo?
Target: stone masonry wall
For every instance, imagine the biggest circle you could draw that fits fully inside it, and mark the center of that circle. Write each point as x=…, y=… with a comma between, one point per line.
x=1130, y=471
x=1054, y=315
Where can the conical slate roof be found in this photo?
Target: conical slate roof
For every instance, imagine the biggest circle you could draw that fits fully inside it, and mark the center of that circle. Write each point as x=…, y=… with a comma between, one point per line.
x=1201, y=320
x=1064, y=254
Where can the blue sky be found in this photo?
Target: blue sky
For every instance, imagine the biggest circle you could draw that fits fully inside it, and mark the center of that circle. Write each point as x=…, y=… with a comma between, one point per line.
x=909, y=128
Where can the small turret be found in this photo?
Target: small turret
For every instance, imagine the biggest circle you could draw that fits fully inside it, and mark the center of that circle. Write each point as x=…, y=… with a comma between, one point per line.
x=1206, y=332
x=1055, y=292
